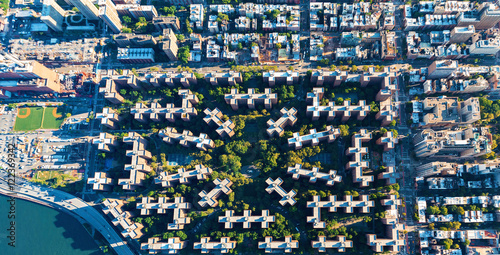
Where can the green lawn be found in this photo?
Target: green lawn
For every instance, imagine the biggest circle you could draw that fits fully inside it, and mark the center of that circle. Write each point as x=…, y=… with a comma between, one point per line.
x=31, y=122
x=50, y=121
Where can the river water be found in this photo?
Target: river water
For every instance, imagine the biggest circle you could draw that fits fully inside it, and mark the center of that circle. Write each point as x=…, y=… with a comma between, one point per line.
x=43, y=231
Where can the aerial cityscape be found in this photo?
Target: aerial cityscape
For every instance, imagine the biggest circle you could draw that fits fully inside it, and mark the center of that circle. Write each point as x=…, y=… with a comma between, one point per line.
x=252, y=127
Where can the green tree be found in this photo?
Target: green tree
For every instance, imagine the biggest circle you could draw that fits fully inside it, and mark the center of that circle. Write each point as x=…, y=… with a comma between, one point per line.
x=127, y=19
x=230, y=162
x=239, y=147
x=278, y=45
x=183, y=54
x=181, y=235
x=240, y=46
x=324, y=62
x=444, y=210
x=434, y=210
x=344, y=130
x=447, y=244
x=275, y=13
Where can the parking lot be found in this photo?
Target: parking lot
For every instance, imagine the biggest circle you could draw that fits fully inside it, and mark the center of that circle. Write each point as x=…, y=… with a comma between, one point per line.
x=8, y=118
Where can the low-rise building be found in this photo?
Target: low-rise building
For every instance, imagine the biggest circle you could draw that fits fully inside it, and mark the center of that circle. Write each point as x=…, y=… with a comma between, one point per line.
x=136, y=55
x=134, y=40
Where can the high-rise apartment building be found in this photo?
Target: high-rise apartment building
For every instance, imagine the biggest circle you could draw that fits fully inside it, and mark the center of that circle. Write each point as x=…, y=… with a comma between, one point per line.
x=465, y=143
x=28, y=76
x=461, y=34
x=442, y=69
x=87, y=8
x=485, y=17
x=169, y=44
x=167, y=22
x=147, y=11
x=53, y=15
x=107, y=12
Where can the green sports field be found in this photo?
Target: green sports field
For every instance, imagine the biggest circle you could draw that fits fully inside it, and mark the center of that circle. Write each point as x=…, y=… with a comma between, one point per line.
x=53, y=118
x=33, y=118
x=28, y=118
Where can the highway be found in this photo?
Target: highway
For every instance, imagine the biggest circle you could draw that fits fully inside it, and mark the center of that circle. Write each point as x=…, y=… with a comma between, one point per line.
x=70, y=204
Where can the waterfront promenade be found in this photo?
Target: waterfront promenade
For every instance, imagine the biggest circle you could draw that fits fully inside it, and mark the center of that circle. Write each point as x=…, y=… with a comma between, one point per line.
x=68, y=203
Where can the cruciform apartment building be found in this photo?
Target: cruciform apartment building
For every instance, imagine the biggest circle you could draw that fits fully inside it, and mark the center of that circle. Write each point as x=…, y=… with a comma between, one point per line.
x=314, y=174
x=156, y=111
x=210, y=198
x=108, y=117
x=186, y=138
x=201, y=172
x=106, y=142
x=275, y=185
x=357, y=152
x=340, y=244
x=138, y=166
x=314, y=137
x=286, y=246
x=179, y=206
x=315, y=110
x=224, y=246
x=172, y=246
x=288, y=118
x=332, y=204
x=247, y=219
x=214, y=117
x=251, y=98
